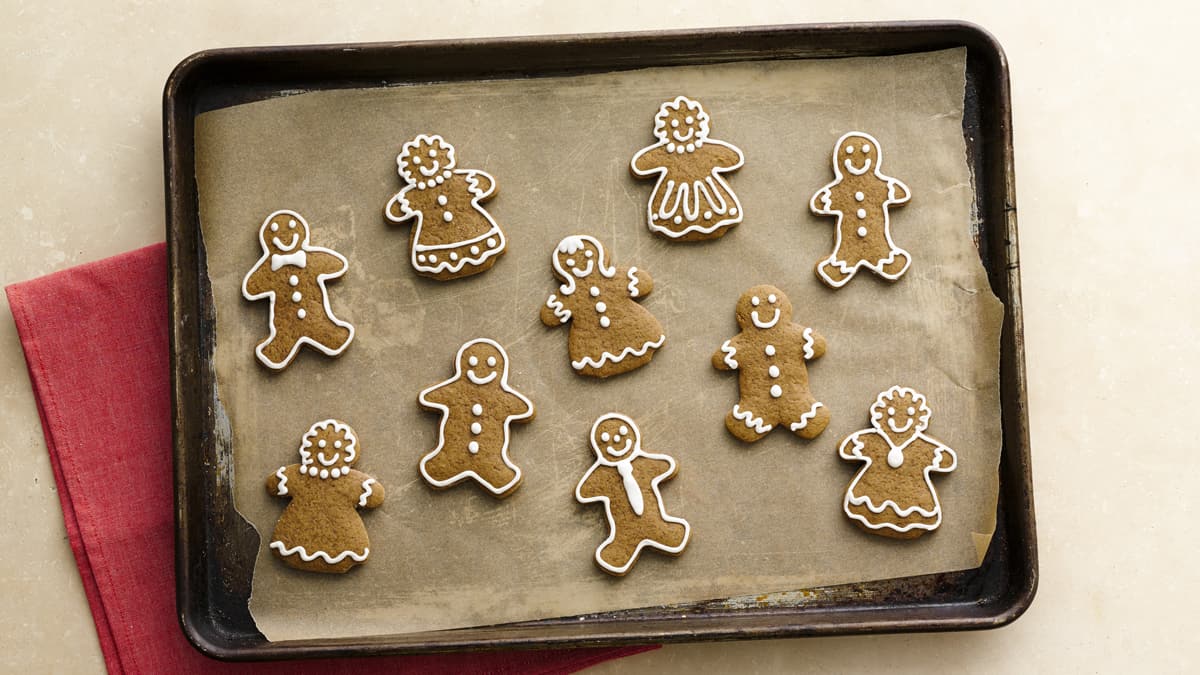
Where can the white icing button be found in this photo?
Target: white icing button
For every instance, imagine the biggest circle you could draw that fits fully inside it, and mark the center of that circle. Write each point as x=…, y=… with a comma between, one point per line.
x=296, y=296
x=770, y=350
x=324, y=473
x=862, y=231
x=345, y=471
x=862, y=213
x=447, y=216
x=421, y=257
x=776, y=391
x=601, y=307
x=440, y=179
x=473, y=447
x=421, y=185
x=477, y=409
x=453, y=255
x=595, y=292
x=442, y=199
x=708, y=215
x=678, y=219
x=294, y=280
x=474, y=250
x=312, y=471
x=691, y=147
x=670, y=147
x=858, y=196
x=336, y=473
x=604, y=322
x=733, y=211
x=773, y=371
x=476, y=428
x=446, y=173
x=491, y=242
x=432, y=258
x=301, y=313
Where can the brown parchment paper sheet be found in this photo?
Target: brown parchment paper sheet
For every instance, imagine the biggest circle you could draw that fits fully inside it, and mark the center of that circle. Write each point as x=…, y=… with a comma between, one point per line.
x=765, y=517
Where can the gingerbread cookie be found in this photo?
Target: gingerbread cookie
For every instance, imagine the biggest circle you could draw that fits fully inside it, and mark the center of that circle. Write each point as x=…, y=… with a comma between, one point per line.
x=292, y=273
x=625, y=478
x=610, y=332
x=769, y=355
x=893, y=495
x=477, y=407
x=860, y=199
x=691, y=200
x=453, y=235
x=320, y=530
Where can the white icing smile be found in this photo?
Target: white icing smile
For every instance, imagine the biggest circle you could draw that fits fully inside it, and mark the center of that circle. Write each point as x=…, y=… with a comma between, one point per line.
x=892, y=425
x=764, y=324
x=857, y=172
x=584, y=271
x=291, y=244
x=480, y=380
x=328, y=462
x=684, y=139
x=431, y=171
x=625, y=449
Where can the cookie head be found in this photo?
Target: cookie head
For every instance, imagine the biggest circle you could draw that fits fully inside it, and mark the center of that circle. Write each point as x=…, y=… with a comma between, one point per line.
x=681, y=121
x=425, y=158
x=614, y=438
x=284, y=232
x=482, y=362
x=857, y=153
x=328, y=449
x=899, y=413
x=763, y=307
x=577, y=257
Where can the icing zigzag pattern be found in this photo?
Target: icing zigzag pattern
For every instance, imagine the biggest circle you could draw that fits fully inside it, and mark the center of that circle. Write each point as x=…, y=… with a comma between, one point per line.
x=628, y=351
x=309, y=557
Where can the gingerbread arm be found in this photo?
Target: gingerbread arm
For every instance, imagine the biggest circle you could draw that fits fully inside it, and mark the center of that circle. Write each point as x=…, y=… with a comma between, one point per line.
x=663, y=465
x=370, y=491
x=520, y=408
x=436, y=397
x=944, y=459
x=398, y=209
x=554, y=312
x=822, y=200
x=277, y=483
x=325, y=262
x=814, y=344
x=255, y=284
x=479, y=183
x=725, y=358
x=648, y=161
x=897, y=192
x=852, y=447
x=587, y=490
x=724, y=155
x=640, y=283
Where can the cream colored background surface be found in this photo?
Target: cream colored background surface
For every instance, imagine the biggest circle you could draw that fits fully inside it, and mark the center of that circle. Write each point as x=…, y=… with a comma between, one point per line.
x=1106, y=136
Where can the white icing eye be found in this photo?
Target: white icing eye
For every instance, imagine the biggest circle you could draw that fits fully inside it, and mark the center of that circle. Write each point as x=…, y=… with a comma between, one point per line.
x=291, y=223
x=416, y=159
x=754, y=301
x=321, y=443
x=912, y=410
x=491, y=361
x=432, y=152
x=605, y=437
x=891, y=411
x=624, y=430
x=337, y=444
x=588, y=253
x=866, y=148
x=771, y=298
x=849, y=149
x=690, y=119
x=675, y=123
x=570, y=262
x=473, y=361
x=274, y=227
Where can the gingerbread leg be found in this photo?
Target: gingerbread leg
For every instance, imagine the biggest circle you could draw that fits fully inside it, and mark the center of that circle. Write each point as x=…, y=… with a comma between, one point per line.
x=277, y=350
x=812, y=422
x=895, y=265
x=439, y=467
x=497, y=474
x=334, y=337
x=745, y=425
x=671, y=535
x=830, y=270
x=618, y=553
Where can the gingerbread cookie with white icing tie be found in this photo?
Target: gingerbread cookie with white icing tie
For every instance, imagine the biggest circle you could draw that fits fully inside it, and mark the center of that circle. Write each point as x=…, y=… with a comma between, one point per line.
x=452, y=236
x=691, y=200
x=861, y=197
x=321, y=530
x=477, y=406
x=769, y=356
x=893, y=494
x=610, y=332
x=292, y=274
x=625, y=478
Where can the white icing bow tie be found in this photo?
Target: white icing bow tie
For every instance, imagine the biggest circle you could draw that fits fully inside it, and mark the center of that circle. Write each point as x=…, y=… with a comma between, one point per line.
x=632, y=490
x=297, y=259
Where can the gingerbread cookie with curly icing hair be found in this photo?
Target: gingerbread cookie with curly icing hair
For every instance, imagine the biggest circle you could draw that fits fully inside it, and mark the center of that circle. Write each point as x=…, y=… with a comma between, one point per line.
x=769, y=356
x=610, y=332
x=320, y=530
x=691, y=200
x=477, y=406
x=292, y=274
x=860, y=197
x=893, y=495
x=453, y=236
x=625, y=478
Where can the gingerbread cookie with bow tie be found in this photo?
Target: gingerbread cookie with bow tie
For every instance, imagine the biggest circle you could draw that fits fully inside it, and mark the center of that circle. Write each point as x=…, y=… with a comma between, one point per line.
x=292, y=273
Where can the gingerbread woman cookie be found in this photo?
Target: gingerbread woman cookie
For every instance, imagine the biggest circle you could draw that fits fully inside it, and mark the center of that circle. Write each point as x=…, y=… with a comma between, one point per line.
x=625, y=478
x=610, y=332
x=477, y=407
x=691, y=200
x=893, y=495
x=320, y=530
x=860, y=199
x=292, y=273
x=769, y=355
x=454, y=236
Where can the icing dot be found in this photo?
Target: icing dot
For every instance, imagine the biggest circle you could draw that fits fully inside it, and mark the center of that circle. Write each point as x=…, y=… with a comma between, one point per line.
x=473, y=447
x=862, y=213
x=776, y=391
x=770, y=350
x=440, y=179
x=421, y=185
x=754, y=301
x=866, y=148
x=691, y=147
x=294, y=280
x=708, y=215
x=678, y=219
x=447, y=216
x=492, y=361
x=474, y=250
x=274, y=227
x=849, y=149
x=296, y=296
x=416, y=159
x=891, y=411
x=312, y=471
x=595, y=292
x=321, y=443
x=670, y=147
x=491, y=242
x=912, y=410
x=445, y=174
x=858, y=196
x=679, y=149
x=324, y=473
x=421, y=257
x=291, y=223
x=300, y=313
x=453, y=255
x=432, y=153
x=690, y=119
x=345, y=470
x=604, y=322
x=733, y=211
x=474, y=361
x=771, y=298
x=624, y=430
x=675, y=123
x=605, y=437
x=773, y=371
x=476, y=428
x=432, y=257
x=862, y=231
x=601, y=307
x=337, y=444
x=335, y=473
x=588, y=253
x=477, y=409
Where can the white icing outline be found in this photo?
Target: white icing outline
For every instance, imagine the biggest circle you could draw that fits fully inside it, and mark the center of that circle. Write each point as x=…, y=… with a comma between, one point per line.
x=569, y=246
x=682, y=194
x=807, y=417
x=611, y=358
x=825, y=210
x=309, y=557
x=654, y=485
x=445, y=414
x=730, y=352
x=406, y=212
x=321, y=279
x=348, y=452
x=751, y=420
x=853, y=454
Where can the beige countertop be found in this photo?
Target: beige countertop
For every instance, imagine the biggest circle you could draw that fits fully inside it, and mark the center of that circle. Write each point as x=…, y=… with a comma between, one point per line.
x=1105, y=133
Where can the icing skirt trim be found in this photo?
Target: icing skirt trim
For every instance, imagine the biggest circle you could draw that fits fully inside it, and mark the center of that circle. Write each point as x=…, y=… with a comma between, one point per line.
x=628, y=351
x=309, y=557
x=452, y=258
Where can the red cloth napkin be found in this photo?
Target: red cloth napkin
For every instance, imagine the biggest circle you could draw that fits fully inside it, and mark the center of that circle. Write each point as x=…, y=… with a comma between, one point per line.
x=95, y=341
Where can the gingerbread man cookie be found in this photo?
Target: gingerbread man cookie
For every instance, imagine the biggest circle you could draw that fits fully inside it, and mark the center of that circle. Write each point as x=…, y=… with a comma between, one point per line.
x=625, y=478
x=454, y=236
x=477, y=407
x=860, y=198
x=292, y=273
x=320, y=530
x=893, y=495
x=691, y=200
x=610, y=332
x=769, y=355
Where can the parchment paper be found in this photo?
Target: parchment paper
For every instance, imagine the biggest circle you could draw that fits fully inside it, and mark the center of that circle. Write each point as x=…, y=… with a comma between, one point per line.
x=765, y=517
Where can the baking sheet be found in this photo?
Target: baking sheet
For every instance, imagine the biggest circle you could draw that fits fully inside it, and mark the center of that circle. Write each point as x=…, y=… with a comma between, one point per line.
x=765, y=517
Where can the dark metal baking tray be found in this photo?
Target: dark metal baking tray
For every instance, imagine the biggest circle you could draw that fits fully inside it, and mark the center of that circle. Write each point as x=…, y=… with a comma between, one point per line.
x=215, y=547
